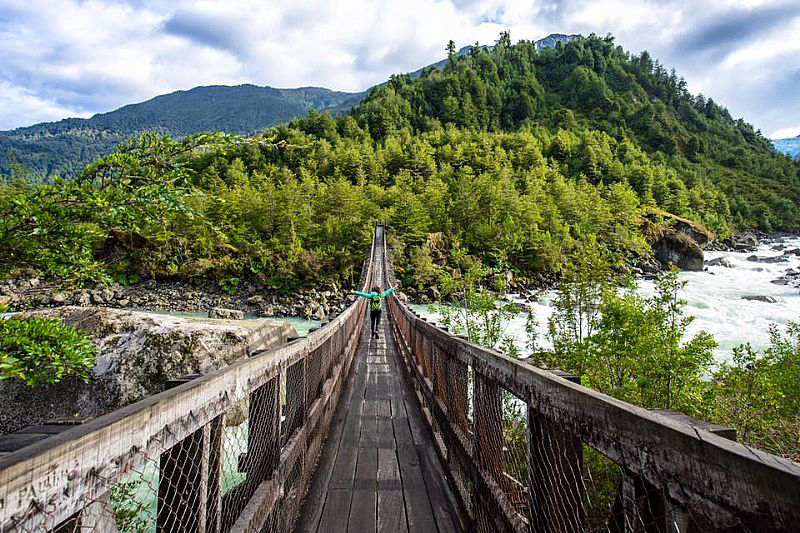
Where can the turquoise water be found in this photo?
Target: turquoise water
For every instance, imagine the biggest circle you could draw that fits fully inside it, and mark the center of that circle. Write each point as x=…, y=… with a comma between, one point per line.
x=713, y=297
x=300, y=324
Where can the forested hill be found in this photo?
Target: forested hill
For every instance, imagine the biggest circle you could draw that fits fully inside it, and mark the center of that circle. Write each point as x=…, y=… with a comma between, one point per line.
x=65, y=147
x=516, y=158
x=592, y=85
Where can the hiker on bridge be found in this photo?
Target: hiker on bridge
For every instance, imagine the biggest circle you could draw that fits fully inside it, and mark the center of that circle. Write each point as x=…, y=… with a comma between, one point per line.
x=375, y=298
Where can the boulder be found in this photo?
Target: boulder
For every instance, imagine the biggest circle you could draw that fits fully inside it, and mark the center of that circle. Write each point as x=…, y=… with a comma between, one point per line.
x=720, y=261
x=761, y=298
x=318, y=313
x=59, y=298
x=83, y=299
x=255, y=300
x=746, y=241
x=137, y=353
x=679, y=249
x=226, y=314
x=758, y=259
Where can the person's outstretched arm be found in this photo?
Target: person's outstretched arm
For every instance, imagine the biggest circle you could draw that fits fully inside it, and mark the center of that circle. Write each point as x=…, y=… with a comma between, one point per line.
x=387, y=292
x=364, y=294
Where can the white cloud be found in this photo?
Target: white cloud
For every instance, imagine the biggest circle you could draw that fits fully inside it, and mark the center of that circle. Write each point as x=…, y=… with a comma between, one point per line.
x=18, y=103
x=77, y=57
x=785, y=133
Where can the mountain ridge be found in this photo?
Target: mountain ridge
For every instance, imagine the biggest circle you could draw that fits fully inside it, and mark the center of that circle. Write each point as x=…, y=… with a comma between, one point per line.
x=65, y=146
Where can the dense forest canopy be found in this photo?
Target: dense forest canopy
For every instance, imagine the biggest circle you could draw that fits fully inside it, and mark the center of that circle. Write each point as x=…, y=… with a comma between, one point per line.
x=520, y=156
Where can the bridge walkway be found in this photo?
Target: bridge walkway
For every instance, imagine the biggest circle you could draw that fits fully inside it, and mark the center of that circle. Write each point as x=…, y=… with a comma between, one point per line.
x=379, y=470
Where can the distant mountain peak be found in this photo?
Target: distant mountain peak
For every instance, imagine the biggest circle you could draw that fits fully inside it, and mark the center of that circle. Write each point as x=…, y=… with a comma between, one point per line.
x=553, y=39
x=545, y=42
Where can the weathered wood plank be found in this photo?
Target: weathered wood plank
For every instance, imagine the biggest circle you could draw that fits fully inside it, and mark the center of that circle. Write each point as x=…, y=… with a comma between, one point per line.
x=337, y=464
x=336, y=513
x=363, y=507
x=391, y=515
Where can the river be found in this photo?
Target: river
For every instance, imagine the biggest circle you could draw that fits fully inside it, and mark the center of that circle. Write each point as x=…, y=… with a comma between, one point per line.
x=713, y=297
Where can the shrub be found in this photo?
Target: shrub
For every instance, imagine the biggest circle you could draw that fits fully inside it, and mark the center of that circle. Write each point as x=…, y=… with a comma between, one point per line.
x=43, y=351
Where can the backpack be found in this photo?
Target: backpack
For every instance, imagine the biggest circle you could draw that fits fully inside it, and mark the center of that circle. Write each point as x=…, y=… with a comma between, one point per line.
x=375, y=303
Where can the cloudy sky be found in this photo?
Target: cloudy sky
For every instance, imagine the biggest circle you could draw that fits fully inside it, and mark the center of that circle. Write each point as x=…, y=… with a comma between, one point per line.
x=61, y=58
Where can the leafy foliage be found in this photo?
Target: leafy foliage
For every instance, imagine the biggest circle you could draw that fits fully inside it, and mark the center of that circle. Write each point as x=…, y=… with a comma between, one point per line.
x=478, y=315
x=759, y=393
x=629, y=346
x=42, y=351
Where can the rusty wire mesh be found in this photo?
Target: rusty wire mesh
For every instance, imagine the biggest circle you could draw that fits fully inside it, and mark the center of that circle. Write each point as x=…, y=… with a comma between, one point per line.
x=242, y=467
x=513, y=467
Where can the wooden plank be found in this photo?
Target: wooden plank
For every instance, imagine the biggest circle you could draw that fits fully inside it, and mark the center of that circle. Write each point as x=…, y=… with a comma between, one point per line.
x=418, y=506
x=383, y=408
x=364, y=503
x=442, y=500
x=391, y=505
x=257, y=510
x=369, y=432
x=16, y=441
x=337, y=464
x=213, y=442
x=336, y=512
x=385, y=434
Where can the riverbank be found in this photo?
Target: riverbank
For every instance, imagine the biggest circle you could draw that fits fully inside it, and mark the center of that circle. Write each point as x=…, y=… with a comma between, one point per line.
x=743, y=289
x=174, y=296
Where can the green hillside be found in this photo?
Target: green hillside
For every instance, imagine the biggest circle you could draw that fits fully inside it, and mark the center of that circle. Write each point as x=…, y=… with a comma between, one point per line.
x=592, y=85
x=520, y=157
x=65, y=147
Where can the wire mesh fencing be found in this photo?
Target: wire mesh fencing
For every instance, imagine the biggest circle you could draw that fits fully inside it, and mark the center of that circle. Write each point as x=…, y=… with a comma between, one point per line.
x=229, y=451
x=530, y=450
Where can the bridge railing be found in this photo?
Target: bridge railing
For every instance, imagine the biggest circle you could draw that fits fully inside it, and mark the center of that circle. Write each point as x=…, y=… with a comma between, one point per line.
x=229, y=451
x=531, y=450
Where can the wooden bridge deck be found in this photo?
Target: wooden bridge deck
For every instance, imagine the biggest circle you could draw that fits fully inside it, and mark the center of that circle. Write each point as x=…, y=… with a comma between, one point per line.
x=379, y=470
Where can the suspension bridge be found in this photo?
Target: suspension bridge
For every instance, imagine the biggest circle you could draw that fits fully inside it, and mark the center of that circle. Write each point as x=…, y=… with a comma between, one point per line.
x=416, y=430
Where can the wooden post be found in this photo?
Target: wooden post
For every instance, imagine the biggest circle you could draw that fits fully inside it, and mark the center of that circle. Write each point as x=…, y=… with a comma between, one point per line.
x=457, y=393
x=440, y=358
x=487, y=406
x=555, y=464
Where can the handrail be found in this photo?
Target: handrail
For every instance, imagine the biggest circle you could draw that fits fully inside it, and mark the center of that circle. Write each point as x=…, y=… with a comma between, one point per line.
x=672, y=476
x=290, y=394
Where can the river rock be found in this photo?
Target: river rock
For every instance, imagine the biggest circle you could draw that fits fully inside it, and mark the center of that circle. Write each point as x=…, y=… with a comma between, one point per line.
x=59, y=298
x=226, y=314
x=761, y=298
x=83, y=299
x=255, y=300
x=776, y=259
x=746, y=241
x=680, y=249
x=720, y=261
x=137, y=354
x=319, y=313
